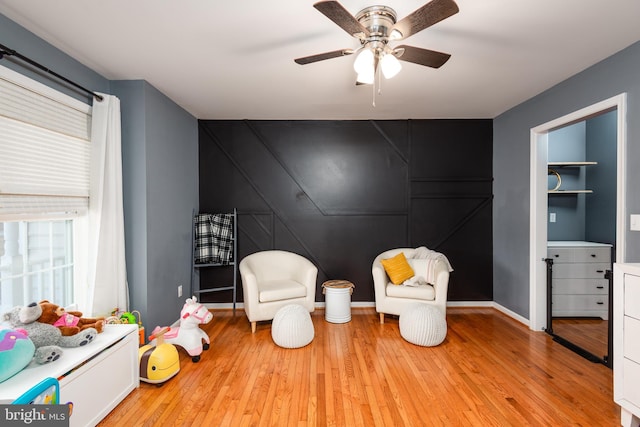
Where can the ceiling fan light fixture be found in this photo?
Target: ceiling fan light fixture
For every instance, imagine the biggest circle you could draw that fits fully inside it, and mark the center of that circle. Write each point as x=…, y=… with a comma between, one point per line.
x=375, y=27
x=390, y=65
x=366, y=78
x=395, y=35
x=364, y=62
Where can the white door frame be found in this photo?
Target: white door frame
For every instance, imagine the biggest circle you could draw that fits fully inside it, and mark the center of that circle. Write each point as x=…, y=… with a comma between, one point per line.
x=538, y=199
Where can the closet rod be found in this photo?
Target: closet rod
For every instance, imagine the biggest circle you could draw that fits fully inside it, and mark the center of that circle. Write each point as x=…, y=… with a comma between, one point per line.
x=10, y=52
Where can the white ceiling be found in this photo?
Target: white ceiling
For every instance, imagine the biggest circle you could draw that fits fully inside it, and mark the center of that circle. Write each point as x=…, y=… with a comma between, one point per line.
x=234, y=59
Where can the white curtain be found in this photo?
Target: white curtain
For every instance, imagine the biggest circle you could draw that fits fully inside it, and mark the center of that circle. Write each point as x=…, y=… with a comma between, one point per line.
x=107, y=271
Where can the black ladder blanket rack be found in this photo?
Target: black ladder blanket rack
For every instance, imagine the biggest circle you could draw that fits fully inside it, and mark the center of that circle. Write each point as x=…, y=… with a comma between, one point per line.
x=215, y=245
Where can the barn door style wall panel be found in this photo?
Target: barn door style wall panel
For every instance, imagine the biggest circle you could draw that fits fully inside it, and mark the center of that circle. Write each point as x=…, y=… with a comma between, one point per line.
x=341, y=192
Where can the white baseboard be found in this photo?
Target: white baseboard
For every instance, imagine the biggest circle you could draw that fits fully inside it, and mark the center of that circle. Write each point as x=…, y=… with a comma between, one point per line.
x=469, y=303
x=493, y=304
x=228, y=305
x=513, y=315
x=357, y=304
x=222, y=305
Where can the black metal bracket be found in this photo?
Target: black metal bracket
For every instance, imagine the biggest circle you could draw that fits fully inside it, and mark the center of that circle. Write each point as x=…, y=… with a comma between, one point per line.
x=4, y=50
x=608, y=358
x=549, y=262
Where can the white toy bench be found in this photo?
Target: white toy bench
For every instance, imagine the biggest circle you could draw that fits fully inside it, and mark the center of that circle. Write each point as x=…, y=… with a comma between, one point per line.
x=107, y=367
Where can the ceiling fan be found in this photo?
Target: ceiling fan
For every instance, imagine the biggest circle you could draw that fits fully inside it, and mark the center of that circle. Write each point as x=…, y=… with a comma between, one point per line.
x=375, y=27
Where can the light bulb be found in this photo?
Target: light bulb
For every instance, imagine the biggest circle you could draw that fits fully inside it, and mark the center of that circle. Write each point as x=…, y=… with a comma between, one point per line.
x=364, y=62
x=366, y=78
x=395, y=35
x=390, y=65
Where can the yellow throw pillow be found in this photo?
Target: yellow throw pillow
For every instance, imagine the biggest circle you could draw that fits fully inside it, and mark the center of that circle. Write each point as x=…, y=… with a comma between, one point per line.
x=397, y=268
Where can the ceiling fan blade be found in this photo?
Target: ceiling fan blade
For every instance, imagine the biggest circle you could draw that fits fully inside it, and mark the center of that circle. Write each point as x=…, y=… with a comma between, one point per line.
x=323, y=56
x=341, y=16
x=429, y=14
x=426, y=57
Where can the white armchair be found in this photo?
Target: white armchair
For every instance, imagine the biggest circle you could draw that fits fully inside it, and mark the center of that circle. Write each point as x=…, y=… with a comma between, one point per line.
x=273, y=279
x=393, y=299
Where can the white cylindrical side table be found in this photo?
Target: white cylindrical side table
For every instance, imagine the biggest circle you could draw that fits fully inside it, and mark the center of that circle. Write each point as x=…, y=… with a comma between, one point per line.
x=337, y=297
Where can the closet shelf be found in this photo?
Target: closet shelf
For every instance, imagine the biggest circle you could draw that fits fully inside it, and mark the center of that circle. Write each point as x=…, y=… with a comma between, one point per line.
x=558, y=165
x=571, y=164
x=570, y=191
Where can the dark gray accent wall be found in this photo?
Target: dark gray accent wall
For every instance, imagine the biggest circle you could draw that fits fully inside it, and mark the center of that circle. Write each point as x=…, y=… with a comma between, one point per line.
x=341, y=192
x=511, y=157
x=160, y=154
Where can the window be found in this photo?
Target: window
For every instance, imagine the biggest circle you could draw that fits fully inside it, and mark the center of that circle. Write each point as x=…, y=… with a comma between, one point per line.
x=36, y=263
x=44, y=192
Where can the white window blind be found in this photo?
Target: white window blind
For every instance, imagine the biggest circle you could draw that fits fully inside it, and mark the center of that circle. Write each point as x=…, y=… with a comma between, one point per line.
x=44, y=151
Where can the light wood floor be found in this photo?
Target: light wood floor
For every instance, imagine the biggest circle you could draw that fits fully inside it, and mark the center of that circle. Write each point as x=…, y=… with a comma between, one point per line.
x=589, y=333
x=490, y=371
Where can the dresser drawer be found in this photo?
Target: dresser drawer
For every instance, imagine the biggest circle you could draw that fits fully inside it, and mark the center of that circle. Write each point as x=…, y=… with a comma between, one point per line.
x=632, y=296
x=580, y=286
x=631, y=380
x=580, y=270
x=631, y=342
x=579, y=254
x=580, y=302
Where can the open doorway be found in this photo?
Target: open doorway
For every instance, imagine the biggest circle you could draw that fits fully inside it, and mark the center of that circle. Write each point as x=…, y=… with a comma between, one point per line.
x=539, y=233
x=581, y=234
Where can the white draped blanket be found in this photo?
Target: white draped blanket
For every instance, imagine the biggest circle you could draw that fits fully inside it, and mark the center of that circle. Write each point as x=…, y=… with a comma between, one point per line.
x=432, y=258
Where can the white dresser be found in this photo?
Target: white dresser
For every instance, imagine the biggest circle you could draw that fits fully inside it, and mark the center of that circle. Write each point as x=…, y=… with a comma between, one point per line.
x=579, y=288
x=626, y=342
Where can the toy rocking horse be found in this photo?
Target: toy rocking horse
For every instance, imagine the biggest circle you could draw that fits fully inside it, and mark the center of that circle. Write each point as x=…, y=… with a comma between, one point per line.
x=186, y=332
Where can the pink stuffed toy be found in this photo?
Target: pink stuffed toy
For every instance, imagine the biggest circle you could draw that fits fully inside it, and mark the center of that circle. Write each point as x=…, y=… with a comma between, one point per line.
x=69, y=322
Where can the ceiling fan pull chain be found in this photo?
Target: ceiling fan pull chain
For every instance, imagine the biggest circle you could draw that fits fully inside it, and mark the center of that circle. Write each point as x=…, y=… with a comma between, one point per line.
x=373, y=94
x=378, y=79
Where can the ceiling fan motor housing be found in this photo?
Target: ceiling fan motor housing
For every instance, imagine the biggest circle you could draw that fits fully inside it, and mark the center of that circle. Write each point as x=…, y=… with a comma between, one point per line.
x=378, y=20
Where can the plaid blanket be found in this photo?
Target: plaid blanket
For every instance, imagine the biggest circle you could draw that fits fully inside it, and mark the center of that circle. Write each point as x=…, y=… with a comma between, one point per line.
x=213, y=239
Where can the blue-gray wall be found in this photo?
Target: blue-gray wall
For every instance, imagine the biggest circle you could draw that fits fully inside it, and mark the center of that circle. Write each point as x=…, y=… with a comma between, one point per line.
x=591, y=216
x=134, y=173
x=511, y=158
x=600, y=218
x=160, y=194
x=568, y=144
x=160, y=176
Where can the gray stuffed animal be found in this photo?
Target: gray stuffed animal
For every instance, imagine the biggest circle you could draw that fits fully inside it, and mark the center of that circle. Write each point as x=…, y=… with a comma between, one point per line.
x=47, y=338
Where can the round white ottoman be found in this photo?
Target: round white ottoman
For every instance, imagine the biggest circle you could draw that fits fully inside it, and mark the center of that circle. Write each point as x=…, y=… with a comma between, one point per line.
x=423, y=324
x=292, y=327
